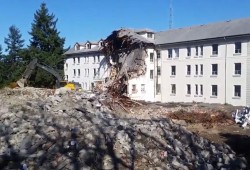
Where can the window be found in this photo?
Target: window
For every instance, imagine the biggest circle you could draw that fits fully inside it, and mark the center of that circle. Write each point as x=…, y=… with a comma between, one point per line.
x=188, y=69
x=86, y=59
x=214, y=69
x=170, y=53
x=66, y=66
x=98, y=59
x=101, y=44
x=74, y=60
x=158, y=53
x=94, y=72
x=143, y=88
x=188, y=89
x=237, y=70
x=201, y=50
x=88, y=71
x=196, y=51
x=92, y=86
x=134, y=90
x=158, y=70
x=201, y=69
x=214, y=90
x=196, y=89
x=94, y=58
x=158, y=88
x=237, y=47
x=176, y=50
x=77, y=47
x=88, y=46
x=79, y=72
x=98, y=72
x=196, y=69
x=85, y=72
x=74, y=72
x=237, y=90
x=201, y=89
x=173, y=89
x=151, y=74
x=215, y=49
x=151, y=57
x=173, y=70
x=78, y=59
x=188, y=51
x=150, y=35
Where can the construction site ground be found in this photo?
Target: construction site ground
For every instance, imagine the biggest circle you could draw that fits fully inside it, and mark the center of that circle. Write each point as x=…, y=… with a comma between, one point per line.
x=211, y=121
x=114, y=132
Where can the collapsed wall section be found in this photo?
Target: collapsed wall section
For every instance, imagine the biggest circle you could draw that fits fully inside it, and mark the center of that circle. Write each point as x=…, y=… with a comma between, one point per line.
x=127, y=52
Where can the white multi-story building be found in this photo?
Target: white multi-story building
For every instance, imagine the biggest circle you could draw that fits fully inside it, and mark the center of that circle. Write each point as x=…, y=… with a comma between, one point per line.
x=85, y=64
x=206, y=63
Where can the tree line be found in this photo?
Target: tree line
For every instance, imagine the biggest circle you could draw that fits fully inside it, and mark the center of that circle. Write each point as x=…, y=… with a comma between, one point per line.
x=45, y=44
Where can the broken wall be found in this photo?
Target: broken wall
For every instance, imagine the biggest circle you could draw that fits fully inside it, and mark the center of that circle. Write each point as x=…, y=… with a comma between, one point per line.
x=127, y=51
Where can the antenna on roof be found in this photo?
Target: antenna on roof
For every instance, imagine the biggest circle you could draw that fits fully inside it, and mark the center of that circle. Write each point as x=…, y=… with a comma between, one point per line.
x=170, y=14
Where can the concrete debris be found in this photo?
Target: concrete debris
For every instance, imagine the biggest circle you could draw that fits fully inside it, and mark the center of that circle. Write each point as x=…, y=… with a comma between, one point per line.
x=77, y=130
x=242, y=116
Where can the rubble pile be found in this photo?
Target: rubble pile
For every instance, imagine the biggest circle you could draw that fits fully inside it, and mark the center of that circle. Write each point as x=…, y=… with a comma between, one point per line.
x=75, y=130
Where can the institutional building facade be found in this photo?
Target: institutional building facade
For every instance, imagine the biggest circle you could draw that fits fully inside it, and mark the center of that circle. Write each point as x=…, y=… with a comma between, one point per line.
x=85, y=64
x=206, y=63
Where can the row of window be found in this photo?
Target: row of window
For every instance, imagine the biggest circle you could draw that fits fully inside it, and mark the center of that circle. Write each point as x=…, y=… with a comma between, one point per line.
x=151, y=56
x=152, y=72
x=174, y=53
x=199, y=90
x=134, y=89
x=88, y=46
x=199, y=71
x=86, y=59
x=86, y=72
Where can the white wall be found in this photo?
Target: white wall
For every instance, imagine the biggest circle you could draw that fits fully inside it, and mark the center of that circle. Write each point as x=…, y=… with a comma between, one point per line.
x=86, y=63
x=207, y=80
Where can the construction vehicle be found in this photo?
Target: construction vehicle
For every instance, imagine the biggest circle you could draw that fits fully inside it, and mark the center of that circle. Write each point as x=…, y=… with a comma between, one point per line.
x=59, y=80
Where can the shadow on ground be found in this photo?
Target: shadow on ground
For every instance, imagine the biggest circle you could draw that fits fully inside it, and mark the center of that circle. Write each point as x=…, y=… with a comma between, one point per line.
x=239, y=143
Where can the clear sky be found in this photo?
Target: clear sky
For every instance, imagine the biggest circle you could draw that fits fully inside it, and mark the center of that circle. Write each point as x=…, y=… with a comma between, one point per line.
x=81, y=20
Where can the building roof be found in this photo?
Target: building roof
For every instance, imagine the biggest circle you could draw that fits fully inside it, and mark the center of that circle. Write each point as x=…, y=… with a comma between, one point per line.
x=143, y=30
x=201, y=32
x=73, y=51
x=136, y=37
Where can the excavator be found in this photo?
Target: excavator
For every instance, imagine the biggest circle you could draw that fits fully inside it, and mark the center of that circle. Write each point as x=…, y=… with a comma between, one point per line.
x=59, y=80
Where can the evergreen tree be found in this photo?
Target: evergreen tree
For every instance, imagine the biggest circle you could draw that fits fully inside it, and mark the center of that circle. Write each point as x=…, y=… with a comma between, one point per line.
x=46, y=45
x=12, y=64
x=1, y=51
x=14, y=43
x=1, y=68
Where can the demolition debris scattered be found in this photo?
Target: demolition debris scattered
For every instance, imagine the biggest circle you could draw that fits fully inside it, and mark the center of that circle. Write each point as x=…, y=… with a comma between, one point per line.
x=60, y=129
x=242, y=117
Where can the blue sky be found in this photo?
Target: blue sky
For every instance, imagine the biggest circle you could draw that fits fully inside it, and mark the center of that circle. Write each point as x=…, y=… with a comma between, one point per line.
x=81, y=20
